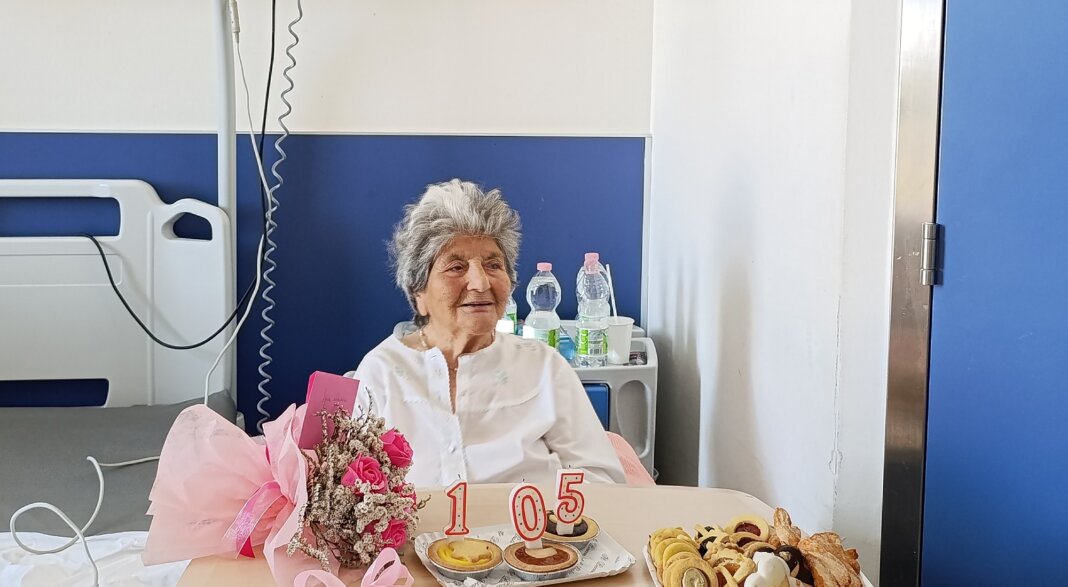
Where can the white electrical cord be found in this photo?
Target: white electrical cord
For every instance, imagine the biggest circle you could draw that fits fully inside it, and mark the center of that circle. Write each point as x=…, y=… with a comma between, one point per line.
x=272, y=206
x=79, y=533
x=240, y=323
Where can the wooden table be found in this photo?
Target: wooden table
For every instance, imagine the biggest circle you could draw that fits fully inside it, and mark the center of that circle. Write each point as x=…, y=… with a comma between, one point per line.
x=629, y=514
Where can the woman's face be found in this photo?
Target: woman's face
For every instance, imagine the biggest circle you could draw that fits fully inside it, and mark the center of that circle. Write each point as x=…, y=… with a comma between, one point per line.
x=468, y=287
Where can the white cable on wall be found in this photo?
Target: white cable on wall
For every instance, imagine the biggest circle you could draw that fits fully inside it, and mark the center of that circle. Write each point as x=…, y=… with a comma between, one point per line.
x=265, y=376
x=236, y=29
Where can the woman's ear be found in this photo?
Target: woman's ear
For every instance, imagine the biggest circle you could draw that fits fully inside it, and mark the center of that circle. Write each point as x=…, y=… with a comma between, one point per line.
x=420, y=304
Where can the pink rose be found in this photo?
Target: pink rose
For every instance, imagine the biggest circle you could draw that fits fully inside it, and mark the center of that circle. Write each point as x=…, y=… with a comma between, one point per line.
x=367, y=470
x=397, y=447
x=396, y=534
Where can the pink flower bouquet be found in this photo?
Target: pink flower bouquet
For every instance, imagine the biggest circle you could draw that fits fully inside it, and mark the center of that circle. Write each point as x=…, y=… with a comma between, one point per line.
x=343, y=505
x=359, y=502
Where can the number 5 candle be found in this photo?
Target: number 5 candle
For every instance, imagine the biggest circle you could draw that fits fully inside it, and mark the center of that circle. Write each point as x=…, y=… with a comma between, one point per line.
x=570, y=502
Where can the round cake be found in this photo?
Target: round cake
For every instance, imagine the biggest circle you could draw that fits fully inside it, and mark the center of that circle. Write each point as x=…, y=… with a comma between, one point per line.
x=585, y=529
x=550, y=561
x=465, y=557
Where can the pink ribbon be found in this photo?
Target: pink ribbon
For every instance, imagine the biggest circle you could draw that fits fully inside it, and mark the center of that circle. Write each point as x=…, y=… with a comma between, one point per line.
x=386, y=571
x=239, y=534
x=327, y=579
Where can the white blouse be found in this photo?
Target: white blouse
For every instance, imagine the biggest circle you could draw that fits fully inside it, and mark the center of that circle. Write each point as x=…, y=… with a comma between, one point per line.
x=521, y=413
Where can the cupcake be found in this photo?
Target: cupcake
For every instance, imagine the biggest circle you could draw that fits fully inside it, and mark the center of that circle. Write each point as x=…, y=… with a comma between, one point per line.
x=552, y=561
x=464, y=558
x=585, y=530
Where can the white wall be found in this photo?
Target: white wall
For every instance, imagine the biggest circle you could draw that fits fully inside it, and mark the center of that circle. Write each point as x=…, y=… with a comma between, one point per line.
x=772, y=158
x=373, y=66
x=867, y=242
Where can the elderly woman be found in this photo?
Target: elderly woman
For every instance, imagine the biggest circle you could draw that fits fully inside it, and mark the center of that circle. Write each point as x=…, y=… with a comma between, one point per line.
x=476, y=405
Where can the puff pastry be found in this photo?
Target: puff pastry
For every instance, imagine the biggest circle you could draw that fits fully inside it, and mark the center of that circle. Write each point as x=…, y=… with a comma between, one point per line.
x=830, y=564
x=783, y=530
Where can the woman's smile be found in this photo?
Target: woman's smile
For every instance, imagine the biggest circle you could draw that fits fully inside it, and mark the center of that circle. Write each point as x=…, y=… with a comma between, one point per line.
x=478, y=306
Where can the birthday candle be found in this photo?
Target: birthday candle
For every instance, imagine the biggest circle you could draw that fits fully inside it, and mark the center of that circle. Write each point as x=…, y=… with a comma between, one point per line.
x=570, y=502
x=527, y=508
x=458, y=516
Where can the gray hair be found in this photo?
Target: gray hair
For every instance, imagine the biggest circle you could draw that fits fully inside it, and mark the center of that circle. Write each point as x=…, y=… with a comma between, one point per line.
x=444, y=212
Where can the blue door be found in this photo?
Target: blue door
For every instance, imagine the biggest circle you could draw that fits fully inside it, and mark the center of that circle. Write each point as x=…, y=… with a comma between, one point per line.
x=996, y=485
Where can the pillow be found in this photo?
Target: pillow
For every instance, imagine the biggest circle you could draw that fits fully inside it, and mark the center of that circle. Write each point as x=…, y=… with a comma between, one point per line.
x=628, y=459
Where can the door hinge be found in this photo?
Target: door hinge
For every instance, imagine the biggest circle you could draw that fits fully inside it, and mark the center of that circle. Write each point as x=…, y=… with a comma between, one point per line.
x=930, y=273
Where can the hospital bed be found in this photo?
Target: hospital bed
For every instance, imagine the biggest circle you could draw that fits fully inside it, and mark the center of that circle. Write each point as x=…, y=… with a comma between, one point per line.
x=61, y=320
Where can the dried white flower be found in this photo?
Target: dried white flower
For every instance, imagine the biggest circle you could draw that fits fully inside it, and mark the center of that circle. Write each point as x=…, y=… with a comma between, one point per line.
x=350, y=522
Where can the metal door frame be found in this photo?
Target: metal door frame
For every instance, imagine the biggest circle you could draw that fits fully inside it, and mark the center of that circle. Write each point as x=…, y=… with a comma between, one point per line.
x=919, y=106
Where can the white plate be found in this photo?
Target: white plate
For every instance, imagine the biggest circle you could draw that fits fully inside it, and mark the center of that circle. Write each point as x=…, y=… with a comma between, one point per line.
x=604, y=557
x=649, y=565
x=652, y=572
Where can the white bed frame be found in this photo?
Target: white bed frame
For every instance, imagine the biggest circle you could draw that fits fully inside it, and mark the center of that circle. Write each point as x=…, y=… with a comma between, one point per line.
x=62, y=320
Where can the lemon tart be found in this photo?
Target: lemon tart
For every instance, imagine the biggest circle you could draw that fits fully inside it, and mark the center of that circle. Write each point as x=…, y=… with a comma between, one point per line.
x=464, y=557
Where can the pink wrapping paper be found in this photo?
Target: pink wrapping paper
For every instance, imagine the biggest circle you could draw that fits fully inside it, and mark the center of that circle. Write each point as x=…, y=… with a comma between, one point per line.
x=213, y=478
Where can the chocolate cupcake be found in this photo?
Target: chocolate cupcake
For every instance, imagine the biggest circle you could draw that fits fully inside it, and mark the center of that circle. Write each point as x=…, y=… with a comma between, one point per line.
x=585, y=530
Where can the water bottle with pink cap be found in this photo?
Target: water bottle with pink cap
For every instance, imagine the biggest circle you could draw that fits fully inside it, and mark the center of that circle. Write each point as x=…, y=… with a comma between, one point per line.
x=543, y=295
x=592, y=292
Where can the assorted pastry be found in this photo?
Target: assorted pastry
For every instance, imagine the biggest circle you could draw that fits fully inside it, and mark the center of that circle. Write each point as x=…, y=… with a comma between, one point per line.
x=462, y=558
x=749, y=552
x=677, y=559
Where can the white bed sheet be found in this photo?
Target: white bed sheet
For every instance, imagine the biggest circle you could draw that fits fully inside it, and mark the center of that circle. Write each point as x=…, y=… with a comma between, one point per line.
x=118, y=556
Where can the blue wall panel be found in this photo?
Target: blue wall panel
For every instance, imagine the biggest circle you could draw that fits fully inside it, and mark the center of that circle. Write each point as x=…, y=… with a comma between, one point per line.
x=997, y=444
x=341, y=197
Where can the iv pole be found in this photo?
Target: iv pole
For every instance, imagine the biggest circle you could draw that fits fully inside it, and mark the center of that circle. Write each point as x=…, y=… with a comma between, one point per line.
x=227, y=150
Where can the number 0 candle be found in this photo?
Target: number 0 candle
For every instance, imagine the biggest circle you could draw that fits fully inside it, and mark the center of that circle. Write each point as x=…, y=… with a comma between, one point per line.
x=527, y=508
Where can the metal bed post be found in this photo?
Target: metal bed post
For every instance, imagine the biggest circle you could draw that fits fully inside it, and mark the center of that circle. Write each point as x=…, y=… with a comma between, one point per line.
x=227, y=151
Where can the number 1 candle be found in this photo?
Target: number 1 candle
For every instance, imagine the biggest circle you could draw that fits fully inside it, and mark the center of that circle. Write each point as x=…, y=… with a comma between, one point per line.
x=458, y=518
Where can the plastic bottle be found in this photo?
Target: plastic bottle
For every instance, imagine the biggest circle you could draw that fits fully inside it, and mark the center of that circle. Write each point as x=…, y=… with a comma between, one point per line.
x=543, y=295
x=600, y=268
x=510, y=321
x=567, y=346
x=591, y=289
